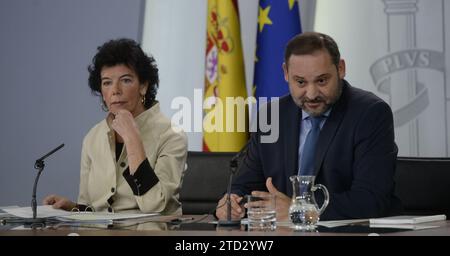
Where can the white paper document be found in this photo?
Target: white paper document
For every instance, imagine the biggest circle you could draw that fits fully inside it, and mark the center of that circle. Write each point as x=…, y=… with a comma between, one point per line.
x=407, y=222
x=404, y=226
x=407, y=219
x=340, y=223
x=46, y=211
x=94, y=216
x=328, y=223
x=3, y=213
x=43, y=211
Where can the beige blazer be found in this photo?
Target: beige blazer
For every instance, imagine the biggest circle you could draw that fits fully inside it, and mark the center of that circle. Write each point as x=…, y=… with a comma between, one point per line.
x=101, y=175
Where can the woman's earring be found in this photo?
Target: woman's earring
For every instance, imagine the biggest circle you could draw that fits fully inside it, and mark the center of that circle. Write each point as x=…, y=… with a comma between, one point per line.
x=104, y=107
x=143, y=100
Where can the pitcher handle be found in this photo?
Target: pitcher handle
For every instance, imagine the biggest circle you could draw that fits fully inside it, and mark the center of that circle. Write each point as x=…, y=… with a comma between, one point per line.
x=325, y=193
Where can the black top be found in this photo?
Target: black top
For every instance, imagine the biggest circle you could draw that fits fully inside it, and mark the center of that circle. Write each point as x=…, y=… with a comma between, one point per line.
x=119, y=147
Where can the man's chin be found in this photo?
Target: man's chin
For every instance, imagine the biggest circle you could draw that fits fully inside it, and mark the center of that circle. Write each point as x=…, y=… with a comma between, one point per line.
x=318, y=111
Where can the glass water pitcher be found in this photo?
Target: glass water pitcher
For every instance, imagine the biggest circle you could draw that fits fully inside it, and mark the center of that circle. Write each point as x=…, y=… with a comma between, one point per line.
x=304, y=212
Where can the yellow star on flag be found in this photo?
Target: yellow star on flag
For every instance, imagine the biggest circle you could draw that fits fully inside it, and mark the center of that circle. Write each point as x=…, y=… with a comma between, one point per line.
x=263, y=17
x=291, y=4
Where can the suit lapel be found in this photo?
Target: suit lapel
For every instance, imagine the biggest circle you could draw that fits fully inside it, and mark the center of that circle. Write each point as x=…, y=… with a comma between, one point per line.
x=290, y=132
x=329, y=129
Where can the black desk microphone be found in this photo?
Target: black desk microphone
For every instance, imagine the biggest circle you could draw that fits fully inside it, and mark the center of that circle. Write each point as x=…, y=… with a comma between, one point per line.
x=233, y=170
x=35, y=222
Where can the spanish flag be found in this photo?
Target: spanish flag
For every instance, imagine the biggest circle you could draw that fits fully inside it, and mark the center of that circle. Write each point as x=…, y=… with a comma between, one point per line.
x=225, y=121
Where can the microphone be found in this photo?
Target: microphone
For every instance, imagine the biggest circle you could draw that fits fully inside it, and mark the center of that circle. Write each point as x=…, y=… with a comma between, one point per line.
x=39, y=165
x=233, y=170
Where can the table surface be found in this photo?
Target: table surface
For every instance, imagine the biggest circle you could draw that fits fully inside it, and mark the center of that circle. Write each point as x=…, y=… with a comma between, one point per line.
x=199, y=225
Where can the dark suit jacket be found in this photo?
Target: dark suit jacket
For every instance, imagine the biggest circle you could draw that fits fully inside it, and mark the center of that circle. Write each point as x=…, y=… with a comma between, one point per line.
x=355, y=157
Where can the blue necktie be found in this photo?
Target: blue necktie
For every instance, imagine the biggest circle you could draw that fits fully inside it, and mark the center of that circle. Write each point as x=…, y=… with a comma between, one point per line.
x=309, y=149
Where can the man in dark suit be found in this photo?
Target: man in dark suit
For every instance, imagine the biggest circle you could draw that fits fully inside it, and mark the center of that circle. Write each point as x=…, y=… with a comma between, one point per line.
x=354, y=153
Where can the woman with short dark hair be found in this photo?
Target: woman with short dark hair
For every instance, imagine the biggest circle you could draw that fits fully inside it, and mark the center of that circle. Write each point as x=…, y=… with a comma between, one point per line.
x=133, y=159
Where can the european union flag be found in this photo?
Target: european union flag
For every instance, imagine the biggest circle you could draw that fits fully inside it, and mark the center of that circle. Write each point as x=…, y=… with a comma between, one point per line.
x=278, y=21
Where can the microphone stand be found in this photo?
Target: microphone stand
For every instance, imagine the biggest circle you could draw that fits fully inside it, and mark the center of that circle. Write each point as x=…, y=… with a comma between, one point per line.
x=233, y=168
x=35, y=222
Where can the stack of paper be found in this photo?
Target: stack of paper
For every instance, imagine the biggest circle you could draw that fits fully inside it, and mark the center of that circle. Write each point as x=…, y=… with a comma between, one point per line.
x=406, y=221
x=340, y=223
x=328, y=223
x=43, y=211
x=91, y=216
x=3, y=213
x=47, y=211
